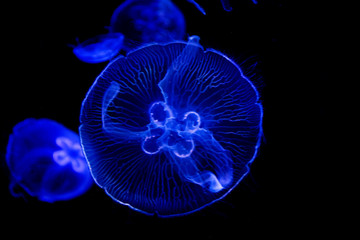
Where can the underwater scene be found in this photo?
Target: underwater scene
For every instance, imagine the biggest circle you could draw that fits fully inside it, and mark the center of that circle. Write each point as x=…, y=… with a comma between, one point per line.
x=159, y=111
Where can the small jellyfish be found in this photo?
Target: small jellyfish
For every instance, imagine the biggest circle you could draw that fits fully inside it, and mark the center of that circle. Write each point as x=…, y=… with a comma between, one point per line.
x=100, y=48
x=46, y=160
x=148, y=21
x=171, y=127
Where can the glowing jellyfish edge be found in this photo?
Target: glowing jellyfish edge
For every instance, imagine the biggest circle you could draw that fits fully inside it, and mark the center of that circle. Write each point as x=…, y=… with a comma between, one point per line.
x=225, y=4
x=45, y=159
x=170, y=131
x=100, y=48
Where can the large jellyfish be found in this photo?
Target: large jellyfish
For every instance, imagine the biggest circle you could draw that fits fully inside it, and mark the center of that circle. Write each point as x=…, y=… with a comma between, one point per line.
x=148, y=21
x=100, y=48
x=170, y=128
x=46, y=160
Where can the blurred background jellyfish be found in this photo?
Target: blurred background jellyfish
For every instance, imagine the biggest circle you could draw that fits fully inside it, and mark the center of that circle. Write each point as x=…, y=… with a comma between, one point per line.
x=171, y=127
x=46, y=160
x=133, y=23
x=100, y=48
x=148, y=21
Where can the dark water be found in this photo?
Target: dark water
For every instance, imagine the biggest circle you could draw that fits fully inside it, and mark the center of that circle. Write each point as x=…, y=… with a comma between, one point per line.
x=277, y=43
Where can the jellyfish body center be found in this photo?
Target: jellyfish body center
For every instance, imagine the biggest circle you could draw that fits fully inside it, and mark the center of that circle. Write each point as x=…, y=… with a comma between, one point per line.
x=167, y=132
x=70, y=152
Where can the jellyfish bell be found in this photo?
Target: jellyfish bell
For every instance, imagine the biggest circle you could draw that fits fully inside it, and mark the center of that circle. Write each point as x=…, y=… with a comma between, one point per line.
x=45, y=159
x=170, y=128
x=148, y=21
x=100, y=48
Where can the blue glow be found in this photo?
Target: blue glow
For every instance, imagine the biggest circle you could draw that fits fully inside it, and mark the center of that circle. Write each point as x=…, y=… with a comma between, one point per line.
x=197, y=6
x=46, y=160
x=225, y=4
x=100, y=48
x=148, y=21
x=170, y=128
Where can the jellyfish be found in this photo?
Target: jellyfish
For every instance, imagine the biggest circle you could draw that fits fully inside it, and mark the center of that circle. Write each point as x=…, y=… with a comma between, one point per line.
x=100, y=48
x=171, y=127
x=46, y=161
x=148, y=21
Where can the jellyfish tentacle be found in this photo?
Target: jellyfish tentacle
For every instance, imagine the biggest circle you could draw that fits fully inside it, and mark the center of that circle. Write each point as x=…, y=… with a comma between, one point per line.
x=109, y=96
x=215, y=157
x=197, y=6
x=188, y=55
x=226, y=5
x=212, y=152
x=108, y=122
x=180, y=76
x=206, y=179
x=183, y=64
x=16, y=189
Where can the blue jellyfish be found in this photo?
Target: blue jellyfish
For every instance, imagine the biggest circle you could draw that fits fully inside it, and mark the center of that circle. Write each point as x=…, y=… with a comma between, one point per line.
x=148, y=21
x=171, y=127
x=100, y=48
x=46, y=160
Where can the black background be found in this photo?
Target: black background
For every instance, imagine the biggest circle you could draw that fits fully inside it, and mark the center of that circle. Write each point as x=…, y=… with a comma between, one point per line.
x=282, y=46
